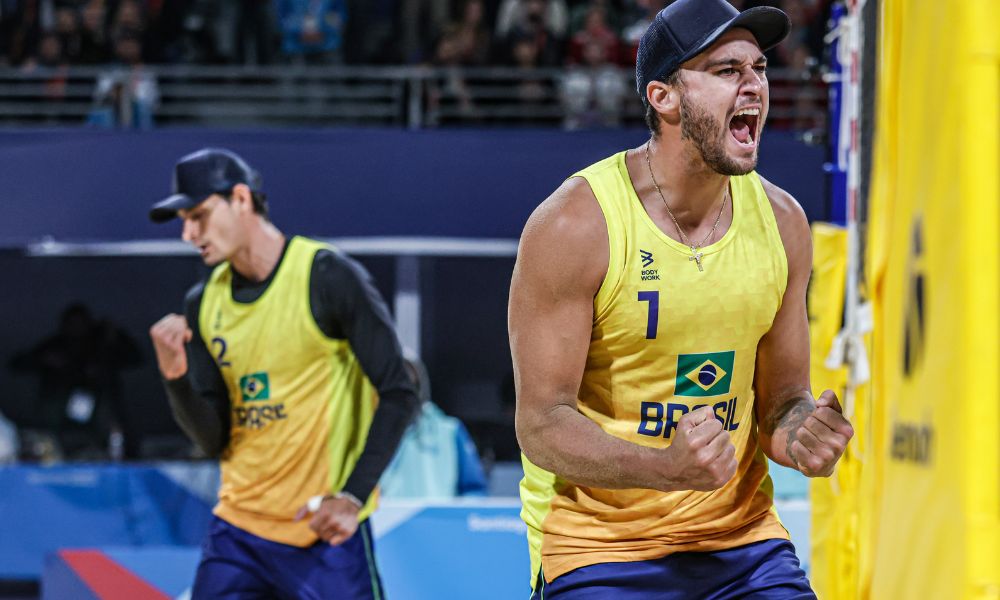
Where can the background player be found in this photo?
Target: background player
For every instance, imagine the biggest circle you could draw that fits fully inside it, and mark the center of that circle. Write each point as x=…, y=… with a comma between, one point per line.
x=272, y=368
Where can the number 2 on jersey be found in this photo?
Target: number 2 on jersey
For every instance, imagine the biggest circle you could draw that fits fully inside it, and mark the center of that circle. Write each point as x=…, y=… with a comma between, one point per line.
x=219, y=348
x=653, y=313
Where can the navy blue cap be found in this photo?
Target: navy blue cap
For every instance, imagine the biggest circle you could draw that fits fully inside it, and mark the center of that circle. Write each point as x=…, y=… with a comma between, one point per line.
x=687, y=28
x=201, y=174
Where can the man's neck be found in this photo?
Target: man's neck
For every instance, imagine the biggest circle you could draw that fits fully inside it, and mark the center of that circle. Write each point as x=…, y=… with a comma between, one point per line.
x=690, y=188
x=260, y=257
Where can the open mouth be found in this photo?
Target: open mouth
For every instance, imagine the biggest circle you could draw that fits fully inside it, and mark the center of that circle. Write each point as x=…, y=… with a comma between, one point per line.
x=743, y=127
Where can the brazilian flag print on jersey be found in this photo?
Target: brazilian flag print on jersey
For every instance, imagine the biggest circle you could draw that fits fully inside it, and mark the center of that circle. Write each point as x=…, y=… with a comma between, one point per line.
x=706, y=374
x=255, y=387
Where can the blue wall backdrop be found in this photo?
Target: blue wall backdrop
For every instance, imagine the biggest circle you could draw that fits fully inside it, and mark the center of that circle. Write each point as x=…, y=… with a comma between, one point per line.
x=84, y=185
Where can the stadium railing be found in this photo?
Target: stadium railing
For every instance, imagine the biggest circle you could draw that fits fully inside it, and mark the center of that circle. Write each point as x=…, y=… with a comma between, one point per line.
x=412, y=97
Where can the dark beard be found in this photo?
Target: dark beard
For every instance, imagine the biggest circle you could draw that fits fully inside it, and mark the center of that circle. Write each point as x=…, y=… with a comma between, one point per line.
x=699, y=127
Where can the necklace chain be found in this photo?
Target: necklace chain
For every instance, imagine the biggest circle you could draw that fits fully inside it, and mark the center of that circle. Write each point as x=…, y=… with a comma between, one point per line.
x=684, y=237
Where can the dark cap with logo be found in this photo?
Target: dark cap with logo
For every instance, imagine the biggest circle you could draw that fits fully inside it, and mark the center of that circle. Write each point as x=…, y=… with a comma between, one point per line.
x=687, y=28
x=201, y=174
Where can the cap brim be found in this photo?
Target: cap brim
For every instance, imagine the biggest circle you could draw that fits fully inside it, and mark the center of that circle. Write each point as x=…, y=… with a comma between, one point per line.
x=166, y=210
x=767, y=24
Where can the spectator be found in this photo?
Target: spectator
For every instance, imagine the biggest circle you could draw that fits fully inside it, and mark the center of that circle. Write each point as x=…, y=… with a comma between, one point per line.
x=254, y=27
x=95, y=44
x=372, y=36
x=24, y=22
x=593, y=97
x=67, y=27
x=79, y=377
x=578, y=16
x=633, y=33
x=128, y=19
x=313, y=30
x=422, y=22
x=127, y=95
x=795, y=52
x=516, y=13
x=436, y=458
x=188, y=30
x=473, y=37
x=243, y=31
x=164, y=34
x=50, y=66
x=792, y=103
x=596, y=38
x=594, y=92
x=525, y=54
x=49, y=54
x=532, y=30
x=451, y=87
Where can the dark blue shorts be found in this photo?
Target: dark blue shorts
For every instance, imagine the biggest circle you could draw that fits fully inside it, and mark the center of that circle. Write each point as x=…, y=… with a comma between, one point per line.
x=764, y=570
x=239, y=565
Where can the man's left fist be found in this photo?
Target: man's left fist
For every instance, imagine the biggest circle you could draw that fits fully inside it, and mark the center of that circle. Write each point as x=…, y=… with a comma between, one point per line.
x=820, y=441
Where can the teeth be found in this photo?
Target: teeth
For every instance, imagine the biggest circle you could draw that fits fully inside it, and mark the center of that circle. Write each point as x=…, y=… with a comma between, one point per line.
x=748, y=111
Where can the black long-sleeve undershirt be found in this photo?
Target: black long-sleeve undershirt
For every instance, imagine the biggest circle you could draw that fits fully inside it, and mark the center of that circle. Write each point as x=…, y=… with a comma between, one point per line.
x=345, y=305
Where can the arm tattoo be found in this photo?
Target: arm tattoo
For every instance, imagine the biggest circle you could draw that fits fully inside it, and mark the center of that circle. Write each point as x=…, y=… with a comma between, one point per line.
x=789, y=415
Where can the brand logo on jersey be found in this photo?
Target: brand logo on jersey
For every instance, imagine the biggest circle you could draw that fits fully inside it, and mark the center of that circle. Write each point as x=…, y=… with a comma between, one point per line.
x=255, y=387
x=647, y=258
x=706, y=374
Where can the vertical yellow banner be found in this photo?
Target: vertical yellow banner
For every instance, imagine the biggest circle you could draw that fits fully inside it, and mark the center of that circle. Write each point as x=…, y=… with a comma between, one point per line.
x=934, y=261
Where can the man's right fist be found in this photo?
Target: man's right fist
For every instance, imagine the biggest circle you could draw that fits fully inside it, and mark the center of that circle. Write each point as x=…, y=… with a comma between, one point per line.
x=170, y=334
x=701, y=456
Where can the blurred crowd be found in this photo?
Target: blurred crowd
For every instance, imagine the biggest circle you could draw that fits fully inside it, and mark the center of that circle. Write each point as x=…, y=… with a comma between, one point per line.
x=593, y=42
x=526, y=33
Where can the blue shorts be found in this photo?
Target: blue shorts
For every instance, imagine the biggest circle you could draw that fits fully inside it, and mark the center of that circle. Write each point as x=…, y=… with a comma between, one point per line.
x=239, y=565
x=763, y=570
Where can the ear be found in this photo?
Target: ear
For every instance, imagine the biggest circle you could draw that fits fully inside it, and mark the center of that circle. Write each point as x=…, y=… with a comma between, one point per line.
x=665, y=99
x=242, y=198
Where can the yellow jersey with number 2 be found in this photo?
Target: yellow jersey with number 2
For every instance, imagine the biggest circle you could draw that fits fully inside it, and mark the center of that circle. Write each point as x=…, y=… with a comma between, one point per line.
x=301, y=405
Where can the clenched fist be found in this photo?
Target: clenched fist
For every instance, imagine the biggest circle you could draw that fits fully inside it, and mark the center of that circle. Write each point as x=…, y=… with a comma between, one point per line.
x=702, y=457
x=170, y=335
x=819, y=442
x=335, y=520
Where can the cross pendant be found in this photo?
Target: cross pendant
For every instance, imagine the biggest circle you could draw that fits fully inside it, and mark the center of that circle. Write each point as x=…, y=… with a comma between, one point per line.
x=696, y=257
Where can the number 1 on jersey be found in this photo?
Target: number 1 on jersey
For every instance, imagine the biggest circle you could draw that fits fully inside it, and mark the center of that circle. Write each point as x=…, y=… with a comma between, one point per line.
x=653, y=314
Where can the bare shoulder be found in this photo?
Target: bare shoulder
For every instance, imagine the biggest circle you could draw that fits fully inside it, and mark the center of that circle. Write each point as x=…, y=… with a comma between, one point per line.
x=567, y=236
x=570, y=213
x=787, y=209
x=792, y=222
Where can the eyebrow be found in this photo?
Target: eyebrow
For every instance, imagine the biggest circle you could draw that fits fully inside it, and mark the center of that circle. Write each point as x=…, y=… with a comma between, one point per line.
x=732, y=62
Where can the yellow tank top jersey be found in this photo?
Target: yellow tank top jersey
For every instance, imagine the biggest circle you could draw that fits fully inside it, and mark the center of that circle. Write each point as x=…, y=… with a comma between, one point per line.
x=301, y=405
x=667, y=339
